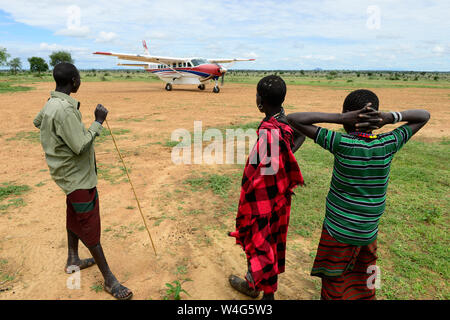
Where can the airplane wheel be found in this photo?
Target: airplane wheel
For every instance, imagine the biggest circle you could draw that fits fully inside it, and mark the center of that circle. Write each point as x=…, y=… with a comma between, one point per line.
x=216, y=89
x=168, y=87
x=201, y=87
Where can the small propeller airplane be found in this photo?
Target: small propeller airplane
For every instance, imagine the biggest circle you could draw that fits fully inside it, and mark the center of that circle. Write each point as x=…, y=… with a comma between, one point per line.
x=178, y=70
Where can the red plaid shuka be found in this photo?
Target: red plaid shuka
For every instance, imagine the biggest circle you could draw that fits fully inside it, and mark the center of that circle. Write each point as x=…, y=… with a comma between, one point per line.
x=265, y=203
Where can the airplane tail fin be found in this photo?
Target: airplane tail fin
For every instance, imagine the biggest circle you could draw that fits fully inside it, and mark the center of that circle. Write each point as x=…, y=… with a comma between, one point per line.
x=144, y=44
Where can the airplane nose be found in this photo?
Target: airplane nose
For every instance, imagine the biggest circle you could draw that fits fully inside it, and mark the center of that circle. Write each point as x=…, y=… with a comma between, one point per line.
x=222, y=70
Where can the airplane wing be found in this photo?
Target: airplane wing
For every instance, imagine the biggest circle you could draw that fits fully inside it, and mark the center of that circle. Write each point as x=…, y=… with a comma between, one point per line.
x=228, y=60
x=145, y=65
x=142, y=58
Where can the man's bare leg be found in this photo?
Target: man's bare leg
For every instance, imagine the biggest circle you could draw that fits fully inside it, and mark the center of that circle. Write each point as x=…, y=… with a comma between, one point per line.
x=73, y=258
x=111, y=284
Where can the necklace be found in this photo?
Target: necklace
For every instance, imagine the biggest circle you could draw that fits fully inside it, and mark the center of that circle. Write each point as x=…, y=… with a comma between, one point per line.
x=364, y=135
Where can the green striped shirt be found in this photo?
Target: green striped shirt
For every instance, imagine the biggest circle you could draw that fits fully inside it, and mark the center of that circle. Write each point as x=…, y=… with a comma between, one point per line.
x=357, y=195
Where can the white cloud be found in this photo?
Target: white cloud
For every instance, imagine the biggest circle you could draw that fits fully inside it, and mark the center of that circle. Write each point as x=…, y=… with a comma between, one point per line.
x=438, y=50
x=319, y=57
x=78, y=32
x=251, y=55
x=43, y=46
x=325, y=32
x=106, y=36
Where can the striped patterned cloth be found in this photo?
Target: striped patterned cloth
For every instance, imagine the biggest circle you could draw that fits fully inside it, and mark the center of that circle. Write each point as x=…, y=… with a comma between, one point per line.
x=345, y=269
x=357, y=195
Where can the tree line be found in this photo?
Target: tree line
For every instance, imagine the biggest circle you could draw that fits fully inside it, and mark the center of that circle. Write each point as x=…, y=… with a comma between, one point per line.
x=37, y=64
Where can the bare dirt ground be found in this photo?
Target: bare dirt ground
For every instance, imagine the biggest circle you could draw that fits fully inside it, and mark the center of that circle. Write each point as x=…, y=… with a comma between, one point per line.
x=189, y=233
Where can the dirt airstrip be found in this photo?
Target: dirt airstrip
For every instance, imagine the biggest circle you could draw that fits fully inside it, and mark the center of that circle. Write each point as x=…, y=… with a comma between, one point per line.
x=188, y=226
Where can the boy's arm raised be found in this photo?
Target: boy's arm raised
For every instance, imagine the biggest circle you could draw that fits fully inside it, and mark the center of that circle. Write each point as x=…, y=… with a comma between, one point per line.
x=415, y=119
x=299, y=138
x=304, y=121
x=74, y=134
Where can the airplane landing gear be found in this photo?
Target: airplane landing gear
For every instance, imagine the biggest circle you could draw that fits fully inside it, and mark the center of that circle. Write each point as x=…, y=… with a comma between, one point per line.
x=168, y=86
x=201, y=86
x=216, y=89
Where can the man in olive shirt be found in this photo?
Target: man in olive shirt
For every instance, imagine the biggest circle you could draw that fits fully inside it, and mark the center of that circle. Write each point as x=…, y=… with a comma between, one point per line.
x=69, y=152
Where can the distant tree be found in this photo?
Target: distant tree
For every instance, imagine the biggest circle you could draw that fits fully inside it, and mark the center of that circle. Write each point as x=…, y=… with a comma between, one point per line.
x=15, y=65
x=3, y=56
x=38, y=65
x=60, y=56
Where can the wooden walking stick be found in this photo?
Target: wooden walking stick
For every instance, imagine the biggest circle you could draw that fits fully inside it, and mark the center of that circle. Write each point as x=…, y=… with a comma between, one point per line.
x=132, y=187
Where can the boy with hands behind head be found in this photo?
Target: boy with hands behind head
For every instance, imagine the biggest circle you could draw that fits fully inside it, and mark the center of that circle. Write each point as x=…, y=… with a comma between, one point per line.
x=356, y=200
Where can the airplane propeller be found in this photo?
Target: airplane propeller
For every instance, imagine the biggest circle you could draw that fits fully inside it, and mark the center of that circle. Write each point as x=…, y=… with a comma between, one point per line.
x=222, y=71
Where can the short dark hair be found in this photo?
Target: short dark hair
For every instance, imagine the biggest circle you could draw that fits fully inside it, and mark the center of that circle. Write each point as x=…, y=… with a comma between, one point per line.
x=357, y=99
x=272, y=89
x=64, y=72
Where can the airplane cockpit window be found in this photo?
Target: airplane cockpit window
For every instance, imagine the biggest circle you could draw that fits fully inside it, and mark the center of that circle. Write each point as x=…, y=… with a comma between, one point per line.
x=197, y=62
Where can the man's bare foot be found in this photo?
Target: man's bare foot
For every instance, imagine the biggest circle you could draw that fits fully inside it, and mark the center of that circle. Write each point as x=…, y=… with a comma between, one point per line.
x=242, y=286
x=119, y=291
x=80, y=263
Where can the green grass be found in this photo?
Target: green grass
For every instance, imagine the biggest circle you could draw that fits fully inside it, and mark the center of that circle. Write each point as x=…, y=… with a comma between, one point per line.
x=112, y=173
x=348, y=79
x=218, y=184
x=29, y=136
x=414, y=237
x=105, y=134
x=9, y=87
x=338, y=79
x=7, y=191
x=15, y=203
x=170, y=143
x=174, y=290
x=97, y=287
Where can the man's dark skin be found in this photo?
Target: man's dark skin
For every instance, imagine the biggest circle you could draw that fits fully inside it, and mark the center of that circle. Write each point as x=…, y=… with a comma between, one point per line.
x=269, y=110
x=112, y=285
x=366, y=120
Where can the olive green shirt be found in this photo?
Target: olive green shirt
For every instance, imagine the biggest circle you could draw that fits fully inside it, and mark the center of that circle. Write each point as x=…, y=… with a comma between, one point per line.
x=68, y=146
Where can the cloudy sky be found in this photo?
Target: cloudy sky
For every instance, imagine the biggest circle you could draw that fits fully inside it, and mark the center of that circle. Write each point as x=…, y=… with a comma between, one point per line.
x=339, y=34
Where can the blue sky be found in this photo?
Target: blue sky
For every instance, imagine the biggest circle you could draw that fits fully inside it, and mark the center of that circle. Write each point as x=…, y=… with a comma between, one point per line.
x=340, y=34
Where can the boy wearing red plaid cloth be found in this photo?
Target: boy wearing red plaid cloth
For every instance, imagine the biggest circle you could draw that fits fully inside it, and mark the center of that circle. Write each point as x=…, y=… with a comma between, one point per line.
x=347, y=252
x=270, y=175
